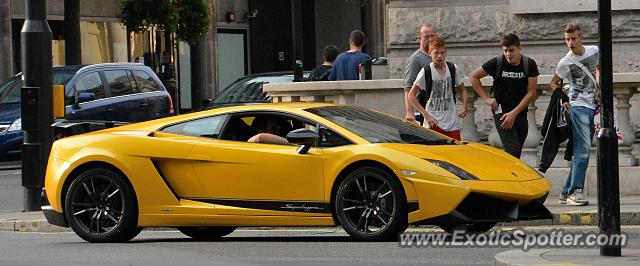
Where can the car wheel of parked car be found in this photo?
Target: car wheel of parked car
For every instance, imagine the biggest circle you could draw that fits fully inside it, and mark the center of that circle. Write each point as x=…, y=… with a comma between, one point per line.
x=370, y=205
x=206, y=232
x=101, y=206
x=473, y=228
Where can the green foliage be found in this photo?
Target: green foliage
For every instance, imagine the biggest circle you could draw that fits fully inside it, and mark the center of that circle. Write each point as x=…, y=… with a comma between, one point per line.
x=194, y=20
x=189, y=19
x=135, y=15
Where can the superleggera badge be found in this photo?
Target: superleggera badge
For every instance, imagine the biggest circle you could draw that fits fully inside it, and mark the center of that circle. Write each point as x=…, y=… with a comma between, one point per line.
x=304, y=207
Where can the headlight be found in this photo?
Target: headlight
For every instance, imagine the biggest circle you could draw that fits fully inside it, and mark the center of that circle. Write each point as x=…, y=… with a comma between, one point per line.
x=457, y=171
x=16, y=125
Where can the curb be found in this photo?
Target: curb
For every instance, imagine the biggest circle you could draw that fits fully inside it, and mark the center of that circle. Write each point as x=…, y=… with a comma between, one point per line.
x=10, y=165
x=41, y=226
x=579, y=218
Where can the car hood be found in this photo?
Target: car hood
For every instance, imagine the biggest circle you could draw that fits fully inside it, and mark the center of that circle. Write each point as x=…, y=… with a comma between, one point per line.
x=485, y=162
x=9, y=112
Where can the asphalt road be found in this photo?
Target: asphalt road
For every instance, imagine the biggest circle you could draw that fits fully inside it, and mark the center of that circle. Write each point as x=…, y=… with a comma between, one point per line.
x=298, y=246
x=10, y=190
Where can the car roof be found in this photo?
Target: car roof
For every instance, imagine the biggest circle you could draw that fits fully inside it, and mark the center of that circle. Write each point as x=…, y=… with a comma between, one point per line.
x=77, y=68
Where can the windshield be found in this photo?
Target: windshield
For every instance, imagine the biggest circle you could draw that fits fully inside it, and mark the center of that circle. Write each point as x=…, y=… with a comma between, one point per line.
x=249, y=90
x=377, y=127
x=10, y=91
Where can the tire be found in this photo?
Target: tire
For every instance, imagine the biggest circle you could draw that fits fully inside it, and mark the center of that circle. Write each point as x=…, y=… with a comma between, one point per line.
x=206, y=232
x=370, y=205
x=473, y=228
x=101, y=206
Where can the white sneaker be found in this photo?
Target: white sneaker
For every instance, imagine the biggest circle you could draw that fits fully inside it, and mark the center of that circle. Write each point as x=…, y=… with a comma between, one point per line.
x=577, y=199
x=562, y=199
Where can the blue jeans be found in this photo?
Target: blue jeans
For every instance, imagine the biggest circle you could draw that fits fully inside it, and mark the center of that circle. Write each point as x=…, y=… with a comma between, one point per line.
x=582, y=129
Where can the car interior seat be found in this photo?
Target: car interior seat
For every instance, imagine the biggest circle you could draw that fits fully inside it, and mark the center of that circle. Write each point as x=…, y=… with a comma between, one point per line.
x=239, y=130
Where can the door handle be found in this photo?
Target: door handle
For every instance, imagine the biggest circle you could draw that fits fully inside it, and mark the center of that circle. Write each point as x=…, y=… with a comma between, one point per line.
x=108, y=110
x=143, y=104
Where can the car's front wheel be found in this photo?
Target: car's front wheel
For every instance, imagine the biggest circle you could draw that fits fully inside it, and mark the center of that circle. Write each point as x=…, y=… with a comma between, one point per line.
x=370, y=205
x=101, y=206
x=206, y=232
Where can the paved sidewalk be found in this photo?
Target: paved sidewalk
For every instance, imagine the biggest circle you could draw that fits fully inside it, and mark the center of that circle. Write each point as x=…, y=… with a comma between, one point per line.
x=566, y=257
x=562, y=215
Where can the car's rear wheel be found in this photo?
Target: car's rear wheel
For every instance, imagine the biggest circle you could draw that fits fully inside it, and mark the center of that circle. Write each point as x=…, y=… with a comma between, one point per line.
x=206, y=232
x=370, y=205
x=101, y=206
x=473, y=228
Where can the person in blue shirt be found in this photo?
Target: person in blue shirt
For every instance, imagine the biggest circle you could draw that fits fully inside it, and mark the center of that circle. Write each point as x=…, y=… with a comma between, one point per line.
x=346, y=65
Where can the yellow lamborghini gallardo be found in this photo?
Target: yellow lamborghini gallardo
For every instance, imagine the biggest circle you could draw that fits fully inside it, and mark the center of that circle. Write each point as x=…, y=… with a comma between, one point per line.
x=204, y=174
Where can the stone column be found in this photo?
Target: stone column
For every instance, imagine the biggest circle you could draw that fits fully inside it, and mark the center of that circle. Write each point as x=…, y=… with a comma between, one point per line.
x=374, y=27
x=469, y=131
x=530, y=149
x=625, y=158
x=72, y=39
x=6, y=50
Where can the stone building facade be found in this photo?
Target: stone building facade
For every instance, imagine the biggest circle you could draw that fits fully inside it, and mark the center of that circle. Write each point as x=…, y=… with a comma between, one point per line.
x=472, y=29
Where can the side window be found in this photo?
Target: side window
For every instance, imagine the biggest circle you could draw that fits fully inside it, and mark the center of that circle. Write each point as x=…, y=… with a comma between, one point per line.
x=206, y=127
x=119, y=83
x=145, y=82
x=329, y=138
x=243, y=127
x=90, y=83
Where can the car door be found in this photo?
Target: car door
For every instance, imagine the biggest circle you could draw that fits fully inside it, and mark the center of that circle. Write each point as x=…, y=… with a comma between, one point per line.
x=95, y=103
x=261, y=179
x=151, y=91
x=129, y=106
x=175, y=166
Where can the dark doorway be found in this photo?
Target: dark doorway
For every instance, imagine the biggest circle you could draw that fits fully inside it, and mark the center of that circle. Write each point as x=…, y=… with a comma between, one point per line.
x=271, y=35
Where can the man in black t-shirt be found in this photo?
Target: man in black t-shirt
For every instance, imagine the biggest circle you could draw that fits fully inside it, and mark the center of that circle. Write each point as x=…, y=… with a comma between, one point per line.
x=514, y=86
x=323, y=71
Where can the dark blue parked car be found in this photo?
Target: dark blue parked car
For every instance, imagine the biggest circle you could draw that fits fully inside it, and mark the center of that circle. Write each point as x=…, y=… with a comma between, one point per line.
x=125, y=92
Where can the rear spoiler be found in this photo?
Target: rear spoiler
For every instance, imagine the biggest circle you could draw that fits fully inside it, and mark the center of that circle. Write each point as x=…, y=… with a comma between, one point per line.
x=65, y=128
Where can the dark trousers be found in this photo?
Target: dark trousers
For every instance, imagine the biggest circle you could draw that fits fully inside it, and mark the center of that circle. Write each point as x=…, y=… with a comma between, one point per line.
x=512, y=139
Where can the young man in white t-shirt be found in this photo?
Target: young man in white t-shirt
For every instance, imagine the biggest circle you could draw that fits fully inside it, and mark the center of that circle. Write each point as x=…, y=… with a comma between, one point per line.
x=580, y=68
x=440, y=113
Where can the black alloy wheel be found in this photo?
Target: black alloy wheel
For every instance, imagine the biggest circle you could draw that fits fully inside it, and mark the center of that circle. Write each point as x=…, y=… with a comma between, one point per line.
x=371, y=205
x=206, y=233
x=101, y=206
x=473, y=228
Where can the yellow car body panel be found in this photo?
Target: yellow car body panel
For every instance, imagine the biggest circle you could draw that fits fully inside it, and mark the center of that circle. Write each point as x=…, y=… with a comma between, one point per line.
x=173, y=176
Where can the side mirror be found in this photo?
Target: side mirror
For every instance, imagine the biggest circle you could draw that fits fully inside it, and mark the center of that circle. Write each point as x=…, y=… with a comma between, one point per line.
x=207, y=103
x=303, y=137
x=85, y=97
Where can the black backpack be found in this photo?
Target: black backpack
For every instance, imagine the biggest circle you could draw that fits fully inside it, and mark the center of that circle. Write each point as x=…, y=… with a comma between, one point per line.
x=497, y=78
x=425, y=94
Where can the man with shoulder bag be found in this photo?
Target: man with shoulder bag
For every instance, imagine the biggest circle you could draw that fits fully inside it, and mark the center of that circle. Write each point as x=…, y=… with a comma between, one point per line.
x=580, y=68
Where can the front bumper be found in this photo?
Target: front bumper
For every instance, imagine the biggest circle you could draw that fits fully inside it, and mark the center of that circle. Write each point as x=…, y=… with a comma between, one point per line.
x=477, y=208
x=54, y=217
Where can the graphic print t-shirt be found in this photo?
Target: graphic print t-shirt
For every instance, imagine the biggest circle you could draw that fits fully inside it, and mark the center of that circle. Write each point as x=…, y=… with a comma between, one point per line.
x=441, y=105
x=582, y=90
x=512, y=84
